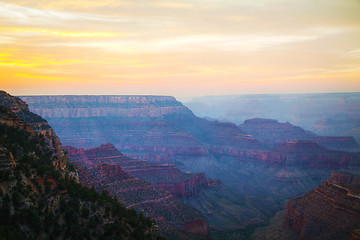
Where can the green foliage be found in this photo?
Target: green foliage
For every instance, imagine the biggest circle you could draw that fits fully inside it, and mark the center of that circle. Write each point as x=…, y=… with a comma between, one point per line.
x=50, y=204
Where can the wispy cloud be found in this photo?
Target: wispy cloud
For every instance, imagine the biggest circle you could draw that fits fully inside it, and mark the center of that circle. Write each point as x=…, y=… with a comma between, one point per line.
x=34, y=17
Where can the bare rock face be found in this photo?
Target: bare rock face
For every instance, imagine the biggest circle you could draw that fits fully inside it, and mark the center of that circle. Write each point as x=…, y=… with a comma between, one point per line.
x=107, y=169
x=15, y=112
x=165, y=176
x=10, y=118
x=331, y=211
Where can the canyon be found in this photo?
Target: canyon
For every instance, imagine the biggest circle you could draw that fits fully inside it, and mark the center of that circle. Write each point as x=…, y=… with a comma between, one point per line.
x=222, y=214
x=257, y=172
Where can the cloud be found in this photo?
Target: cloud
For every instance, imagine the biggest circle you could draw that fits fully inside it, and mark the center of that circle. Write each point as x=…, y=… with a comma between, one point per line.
x=34, y=17
x=197, y=42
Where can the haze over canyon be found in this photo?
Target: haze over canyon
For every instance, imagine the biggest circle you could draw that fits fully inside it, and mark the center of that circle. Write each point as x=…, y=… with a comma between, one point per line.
x=233, y=178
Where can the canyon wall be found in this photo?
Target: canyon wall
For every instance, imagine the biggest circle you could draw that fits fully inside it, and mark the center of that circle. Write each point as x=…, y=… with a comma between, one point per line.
x=32, y=123
x=259, y=178
x=171, y=215
x=331, y=211
x=221, y=207
x=165, y=176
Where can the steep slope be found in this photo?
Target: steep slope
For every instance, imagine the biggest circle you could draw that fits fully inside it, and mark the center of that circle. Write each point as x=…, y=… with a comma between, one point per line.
x=107, y=169
x=165, y=176
x=331, y=211
x=272, y=133
x=37, y=123
x=208, y=196
x=39, y=195
x=171, y=215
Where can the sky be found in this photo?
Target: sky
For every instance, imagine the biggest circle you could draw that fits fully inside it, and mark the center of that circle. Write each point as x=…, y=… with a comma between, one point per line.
x=180, y=48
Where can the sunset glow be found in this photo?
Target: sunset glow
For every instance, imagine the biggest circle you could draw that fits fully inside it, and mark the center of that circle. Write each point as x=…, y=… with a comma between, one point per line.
x=180, y=48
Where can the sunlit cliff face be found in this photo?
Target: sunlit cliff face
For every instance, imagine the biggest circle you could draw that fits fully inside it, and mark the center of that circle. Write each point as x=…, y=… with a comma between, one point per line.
x=180, y=48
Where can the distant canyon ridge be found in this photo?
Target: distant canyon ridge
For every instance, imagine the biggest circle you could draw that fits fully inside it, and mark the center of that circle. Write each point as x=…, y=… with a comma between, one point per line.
x=328, y=114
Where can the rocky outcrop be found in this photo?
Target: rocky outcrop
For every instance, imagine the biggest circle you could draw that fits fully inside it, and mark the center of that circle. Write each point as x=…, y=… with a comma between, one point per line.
x=10, y=118
x=20, y=116
x=331, y=211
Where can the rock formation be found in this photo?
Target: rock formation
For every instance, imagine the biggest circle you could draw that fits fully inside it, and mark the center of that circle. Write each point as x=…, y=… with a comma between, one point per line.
x=107, y=169
x=165, y=176
x=272, y=133
x=34, y=123
x=223, y=209
x=331, y=211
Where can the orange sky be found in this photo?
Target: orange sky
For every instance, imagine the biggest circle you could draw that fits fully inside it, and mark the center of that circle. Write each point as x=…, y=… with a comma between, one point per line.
x=180, y=48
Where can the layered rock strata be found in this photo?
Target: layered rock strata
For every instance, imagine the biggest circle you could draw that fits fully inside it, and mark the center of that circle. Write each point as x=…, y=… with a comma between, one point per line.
x=108, y=169
x=331, y=211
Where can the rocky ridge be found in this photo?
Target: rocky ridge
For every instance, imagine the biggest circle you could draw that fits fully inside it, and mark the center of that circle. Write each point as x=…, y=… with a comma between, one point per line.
x=34, y=123
x=165, y=176
x=331, y=211
x=107, y=169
